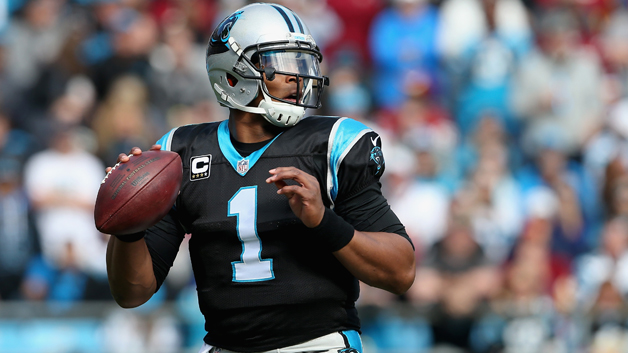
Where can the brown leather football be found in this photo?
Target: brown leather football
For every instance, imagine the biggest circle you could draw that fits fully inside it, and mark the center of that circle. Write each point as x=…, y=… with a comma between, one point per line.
x=135, y=195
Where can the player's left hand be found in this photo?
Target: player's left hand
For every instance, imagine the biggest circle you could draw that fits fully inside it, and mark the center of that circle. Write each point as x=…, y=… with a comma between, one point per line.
x=304, y=198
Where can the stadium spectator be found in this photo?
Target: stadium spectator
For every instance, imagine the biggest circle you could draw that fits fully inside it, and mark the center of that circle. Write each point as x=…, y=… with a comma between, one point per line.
x=37, y=36
x=178, y=74
x=124, y=118
x=608, y=316
x=62, y=182
x=618, y=199
x=131, y=37
x=61, y=284
x=421, y=119
x=422, y=197
x=17, y=230
x=559, y=84
x=356, y=17
x=454, y=279
x=402, y=39
x=607, y=263
x=607, y=157
x=16, y=143
x=495, y=206
x=614, y=48
x=577, y=215
x=349, y=96
x=482, y=44
x=199, y=15
x=606, y=154
x=525, y=303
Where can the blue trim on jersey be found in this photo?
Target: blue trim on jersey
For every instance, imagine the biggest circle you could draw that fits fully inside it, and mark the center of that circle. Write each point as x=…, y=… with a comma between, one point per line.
x=232, y=155
x=355, y=341
x=166, y=140
x=344, y=137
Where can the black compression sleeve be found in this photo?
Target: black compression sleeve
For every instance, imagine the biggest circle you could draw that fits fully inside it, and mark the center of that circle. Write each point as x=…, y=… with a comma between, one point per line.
x=163, y=241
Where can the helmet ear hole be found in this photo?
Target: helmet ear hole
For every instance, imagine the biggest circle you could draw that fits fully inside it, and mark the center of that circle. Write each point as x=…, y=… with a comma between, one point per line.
x=231, y=80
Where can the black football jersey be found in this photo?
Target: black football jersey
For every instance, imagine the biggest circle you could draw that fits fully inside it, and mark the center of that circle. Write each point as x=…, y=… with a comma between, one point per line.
x=262, y=278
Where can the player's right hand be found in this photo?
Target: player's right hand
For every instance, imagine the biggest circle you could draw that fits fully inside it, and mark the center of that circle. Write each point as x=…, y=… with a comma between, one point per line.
x=135, y=151
x=304, y=198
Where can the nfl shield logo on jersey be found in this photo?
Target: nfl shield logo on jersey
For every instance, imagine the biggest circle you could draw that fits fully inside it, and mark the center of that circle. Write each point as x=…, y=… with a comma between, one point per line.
x=243, y=166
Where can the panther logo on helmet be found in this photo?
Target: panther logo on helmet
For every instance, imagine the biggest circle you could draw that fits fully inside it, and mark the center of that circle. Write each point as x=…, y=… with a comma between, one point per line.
x=223, y=31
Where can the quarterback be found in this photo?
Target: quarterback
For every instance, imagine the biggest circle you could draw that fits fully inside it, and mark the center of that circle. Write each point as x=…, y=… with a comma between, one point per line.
x=285, y=212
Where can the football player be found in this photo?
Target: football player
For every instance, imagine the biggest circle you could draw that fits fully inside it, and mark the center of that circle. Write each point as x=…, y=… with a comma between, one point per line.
x=285, y=212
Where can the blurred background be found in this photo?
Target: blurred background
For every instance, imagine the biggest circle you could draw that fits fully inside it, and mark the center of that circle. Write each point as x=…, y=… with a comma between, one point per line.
x=505, y=132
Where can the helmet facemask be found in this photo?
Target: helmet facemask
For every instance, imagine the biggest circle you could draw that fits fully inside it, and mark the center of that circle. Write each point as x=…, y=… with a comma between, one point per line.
x=298, y=64
x=298, y=67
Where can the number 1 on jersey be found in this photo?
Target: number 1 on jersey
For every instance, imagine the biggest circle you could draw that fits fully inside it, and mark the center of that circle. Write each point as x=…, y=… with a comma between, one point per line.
x=251, y=266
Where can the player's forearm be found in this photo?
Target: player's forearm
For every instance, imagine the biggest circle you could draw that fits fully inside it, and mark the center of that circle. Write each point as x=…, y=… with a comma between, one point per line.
x=382, y=260
x=130, y=272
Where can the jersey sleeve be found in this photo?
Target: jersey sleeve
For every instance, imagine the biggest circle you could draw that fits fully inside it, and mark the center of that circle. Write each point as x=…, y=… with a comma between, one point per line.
x=354, y=159
x=362, y=166
x=357, y=164
x=369, y=211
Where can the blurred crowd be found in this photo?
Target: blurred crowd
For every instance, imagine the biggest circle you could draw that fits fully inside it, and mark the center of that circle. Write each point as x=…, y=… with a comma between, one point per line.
x=505, y=132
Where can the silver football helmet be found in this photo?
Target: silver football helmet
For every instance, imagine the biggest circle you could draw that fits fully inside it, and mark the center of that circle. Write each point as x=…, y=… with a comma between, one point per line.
x=262, y=40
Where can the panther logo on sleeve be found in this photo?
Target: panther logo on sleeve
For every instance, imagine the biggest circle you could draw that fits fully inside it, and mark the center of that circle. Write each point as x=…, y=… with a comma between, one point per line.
x=377, y=156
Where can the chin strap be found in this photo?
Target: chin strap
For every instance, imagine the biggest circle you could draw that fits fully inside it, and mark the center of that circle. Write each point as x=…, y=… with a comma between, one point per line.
x=277, y=113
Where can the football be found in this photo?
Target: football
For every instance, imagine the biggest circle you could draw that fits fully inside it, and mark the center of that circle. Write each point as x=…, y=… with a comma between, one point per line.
x=135, y=195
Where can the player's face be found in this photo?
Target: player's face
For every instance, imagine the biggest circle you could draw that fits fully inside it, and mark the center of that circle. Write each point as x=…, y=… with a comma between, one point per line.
x=290, y=77
x=284, y=87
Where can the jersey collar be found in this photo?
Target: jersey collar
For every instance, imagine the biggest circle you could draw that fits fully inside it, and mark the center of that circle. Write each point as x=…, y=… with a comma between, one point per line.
x=240, y=164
